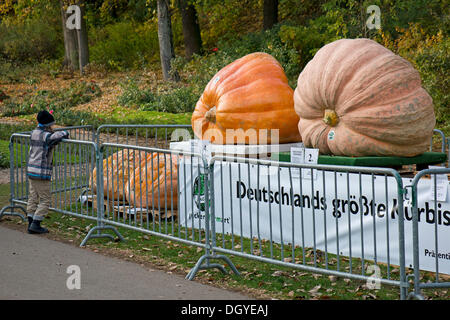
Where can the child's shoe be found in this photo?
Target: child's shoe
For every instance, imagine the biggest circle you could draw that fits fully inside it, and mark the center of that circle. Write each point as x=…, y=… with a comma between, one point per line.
x=35, y=227
x=30, y=221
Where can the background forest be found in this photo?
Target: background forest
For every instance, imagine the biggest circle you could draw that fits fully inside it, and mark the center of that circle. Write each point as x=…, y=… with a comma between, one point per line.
x=124, y=79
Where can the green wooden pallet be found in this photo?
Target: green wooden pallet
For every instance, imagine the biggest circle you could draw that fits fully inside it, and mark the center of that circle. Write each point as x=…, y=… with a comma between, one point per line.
x=423, y=160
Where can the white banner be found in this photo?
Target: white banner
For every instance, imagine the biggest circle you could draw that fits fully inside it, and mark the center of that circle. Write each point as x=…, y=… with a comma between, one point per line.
x=290, y=207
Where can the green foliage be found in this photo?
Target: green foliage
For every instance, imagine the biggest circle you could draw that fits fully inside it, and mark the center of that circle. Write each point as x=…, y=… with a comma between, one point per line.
x=133, y=96
x=4, y=154
x=77, y=93
x=7, y=129
x=30, y=41
x=180, y=100
x=202, y=68
x=434, y=67
x=174, y=100
x=223, y=20
x=124, y=45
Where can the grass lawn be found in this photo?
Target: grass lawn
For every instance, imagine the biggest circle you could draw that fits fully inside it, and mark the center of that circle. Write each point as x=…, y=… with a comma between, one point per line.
x=259, y=280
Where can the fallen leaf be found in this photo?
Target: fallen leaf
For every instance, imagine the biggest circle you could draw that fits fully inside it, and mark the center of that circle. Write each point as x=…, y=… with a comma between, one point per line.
x=315, y=290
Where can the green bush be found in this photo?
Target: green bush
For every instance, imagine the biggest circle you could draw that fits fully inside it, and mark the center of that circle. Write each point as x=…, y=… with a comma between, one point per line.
x=434, y=67
x=202, y=68
x=180, y=100
x=172, y=100
x=4, y=154
x=30, y=41
x=133, y=96
x=7, y=129
x=124, y=45
x=77, y=93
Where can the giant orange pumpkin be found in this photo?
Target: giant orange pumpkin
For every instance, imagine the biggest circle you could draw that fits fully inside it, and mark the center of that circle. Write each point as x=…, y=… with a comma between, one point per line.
x=116, y=171
x=357, y=98
x=154, y=184
x=245, y=97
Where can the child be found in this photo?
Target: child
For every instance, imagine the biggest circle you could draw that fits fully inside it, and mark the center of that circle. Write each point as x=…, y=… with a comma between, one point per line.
x=39, y=170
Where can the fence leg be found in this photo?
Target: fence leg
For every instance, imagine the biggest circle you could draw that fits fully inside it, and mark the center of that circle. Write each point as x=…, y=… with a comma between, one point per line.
x=12, y=213
x=200, y=266
x=101, y=235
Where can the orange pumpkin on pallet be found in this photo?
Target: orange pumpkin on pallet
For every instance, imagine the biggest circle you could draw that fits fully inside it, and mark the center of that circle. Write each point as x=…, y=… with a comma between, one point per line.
x=357, y=98
x=116, y=170
x=154, y=184
x=247, y=96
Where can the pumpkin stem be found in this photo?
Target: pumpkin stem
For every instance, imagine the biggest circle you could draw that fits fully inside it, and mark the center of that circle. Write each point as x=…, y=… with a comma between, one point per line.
x=210, y=115
x=330, y=117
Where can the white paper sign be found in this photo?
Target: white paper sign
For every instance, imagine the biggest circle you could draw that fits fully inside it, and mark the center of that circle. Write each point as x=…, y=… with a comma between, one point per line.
x=297, y=156
x=311, y=155
x=304, y=155
x=441, y=185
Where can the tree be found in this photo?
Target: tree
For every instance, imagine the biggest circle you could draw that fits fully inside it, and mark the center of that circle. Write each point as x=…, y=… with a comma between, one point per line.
x=165, y=37
x=270, y=14
x=70, y=40
x=76, y=46
x=83, y=46
x=191, y=28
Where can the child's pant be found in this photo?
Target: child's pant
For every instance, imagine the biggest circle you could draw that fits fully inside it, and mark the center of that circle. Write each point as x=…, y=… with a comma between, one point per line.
x=39, y=198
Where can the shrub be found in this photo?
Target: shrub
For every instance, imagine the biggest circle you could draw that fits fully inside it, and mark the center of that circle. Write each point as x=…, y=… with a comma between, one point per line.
x=77, y=93
x=434, y=67
x=124, y=45
x=7, y=129
x=30, y=41
x=201, y=69
x=180, y=100
x=133, y=96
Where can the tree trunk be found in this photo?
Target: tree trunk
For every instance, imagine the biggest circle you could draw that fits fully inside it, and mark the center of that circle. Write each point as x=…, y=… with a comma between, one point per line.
x=70, y=41
x=166, y=50
x=83, y=47
x=191, y=29
x=270, y=14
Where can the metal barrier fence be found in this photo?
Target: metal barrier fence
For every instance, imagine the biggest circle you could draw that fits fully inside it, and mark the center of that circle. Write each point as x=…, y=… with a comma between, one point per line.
x=317, y=218
x=300, y=228
x=73, y=162
x=445, y=144
x=157, y=136
x=438, y=256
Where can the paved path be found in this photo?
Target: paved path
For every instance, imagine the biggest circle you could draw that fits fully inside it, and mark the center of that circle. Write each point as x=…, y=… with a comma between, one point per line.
x=33, y=267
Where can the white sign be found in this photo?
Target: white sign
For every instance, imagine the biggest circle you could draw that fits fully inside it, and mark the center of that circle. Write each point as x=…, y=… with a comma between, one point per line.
x=344, y=212
x=304, y=155
x=311, y=156
x=441, y=186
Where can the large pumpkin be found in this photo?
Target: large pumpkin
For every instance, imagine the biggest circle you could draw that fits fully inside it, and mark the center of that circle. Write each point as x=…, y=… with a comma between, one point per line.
x=116, y=170
x=154, y=183
x=247, y=96
x=357, y=98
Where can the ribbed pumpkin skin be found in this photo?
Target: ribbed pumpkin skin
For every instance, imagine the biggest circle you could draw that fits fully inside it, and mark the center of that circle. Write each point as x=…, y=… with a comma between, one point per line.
x=116, y=169
x=382, y=109
x=250, y=93
x=154, y=183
